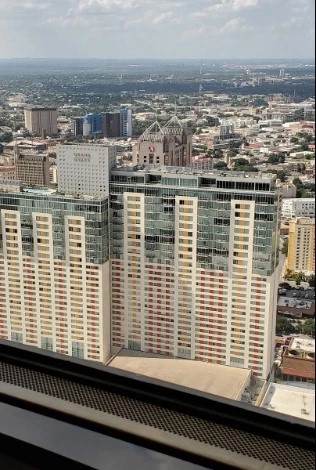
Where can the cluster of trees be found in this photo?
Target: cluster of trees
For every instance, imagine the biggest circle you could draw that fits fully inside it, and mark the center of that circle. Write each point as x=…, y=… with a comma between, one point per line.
x=241, y=164
x=307, y=190
x=299, y=277
x=285, y=327
x=276, y=158
x=303, y=139
x=221, y=165
x=6, y=137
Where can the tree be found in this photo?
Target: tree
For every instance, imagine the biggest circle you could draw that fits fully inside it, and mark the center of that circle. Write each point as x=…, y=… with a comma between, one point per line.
x=233, y=152
x=294, y=140
x=284, y=326
x=285, y=248
x=6, y=137
x=285, y=285
x=281, y=175
x=298, y=183
x=218, y=153
x=220, y=165
x=300, y=277
x=311, y=280
x=276, y=158
x=241, y=162
x=308, y=327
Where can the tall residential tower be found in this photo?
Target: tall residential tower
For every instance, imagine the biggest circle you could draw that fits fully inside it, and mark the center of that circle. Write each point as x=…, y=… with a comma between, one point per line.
x=195, y=265
x=55, y=272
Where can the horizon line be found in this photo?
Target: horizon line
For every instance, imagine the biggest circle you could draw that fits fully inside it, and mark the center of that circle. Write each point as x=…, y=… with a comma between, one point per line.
x=160, y=59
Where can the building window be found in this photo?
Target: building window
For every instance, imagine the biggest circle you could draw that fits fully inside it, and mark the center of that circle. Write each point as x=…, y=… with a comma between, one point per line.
x=18, y=337
x=47, y=343
x=78, y=350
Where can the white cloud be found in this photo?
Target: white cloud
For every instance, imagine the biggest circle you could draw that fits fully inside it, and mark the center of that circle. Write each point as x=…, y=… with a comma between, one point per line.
x=227, y=6
x=165, y=28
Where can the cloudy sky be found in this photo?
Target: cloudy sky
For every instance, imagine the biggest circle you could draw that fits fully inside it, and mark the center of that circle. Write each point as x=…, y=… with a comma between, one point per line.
x=166, y=29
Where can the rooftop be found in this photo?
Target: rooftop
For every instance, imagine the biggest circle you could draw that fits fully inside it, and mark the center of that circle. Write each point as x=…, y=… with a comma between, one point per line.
x=291, y=400
x=303, y=344
x=294, y=303
x=187, y=171
x=227, y=382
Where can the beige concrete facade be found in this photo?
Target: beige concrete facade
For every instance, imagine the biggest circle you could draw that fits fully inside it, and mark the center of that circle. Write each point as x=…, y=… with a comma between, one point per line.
x=39, y=120
x=33, y=169
x=301, y=255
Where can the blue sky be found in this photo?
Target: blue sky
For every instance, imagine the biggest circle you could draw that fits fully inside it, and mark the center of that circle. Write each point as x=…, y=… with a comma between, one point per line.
x=166, y=29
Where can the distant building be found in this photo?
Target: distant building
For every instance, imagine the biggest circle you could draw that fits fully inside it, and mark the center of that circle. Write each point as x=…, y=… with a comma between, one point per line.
x=41, y=121
x=289, y=190
x=33, y=169
x=77, y=126
x=53, y=174
x=7, y=172
x=92, y=125
x=301, y=253
x=298, y=207
x=111, y=125
x=126, y=122
x=170, y=145
x=84, y=169
x=202, y=164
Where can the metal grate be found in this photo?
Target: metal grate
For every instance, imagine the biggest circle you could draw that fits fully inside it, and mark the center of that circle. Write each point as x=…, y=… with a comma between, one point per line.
x=245, y=443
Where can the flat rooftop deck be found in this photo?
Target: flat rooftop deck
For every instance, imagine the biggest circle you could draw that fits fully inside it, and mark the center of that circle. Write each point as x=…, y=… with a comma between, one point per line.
x=227, y=382
x=290, y=400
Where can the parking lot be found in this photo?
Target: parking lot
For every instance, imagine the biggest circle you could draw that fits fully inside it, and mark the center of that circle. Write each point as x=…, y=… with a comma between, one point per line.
x=299, y=293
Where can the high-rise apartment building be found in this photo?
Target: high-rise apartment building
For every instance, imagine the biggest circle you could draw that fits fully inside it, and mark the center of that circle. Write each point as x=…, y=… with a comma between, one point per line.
x=195, y=265
x=170, y=145
x=301, y=252
x=111, y=125
x=84, y=169
x=33, y=169
x=54, y=272
x=161, y=261
x=41, y=120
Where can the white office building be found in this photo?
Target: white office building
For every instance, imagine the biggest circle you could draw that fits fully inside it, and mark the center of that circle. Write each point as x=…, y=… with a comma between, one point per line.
x=298, y=207
x=84, y=169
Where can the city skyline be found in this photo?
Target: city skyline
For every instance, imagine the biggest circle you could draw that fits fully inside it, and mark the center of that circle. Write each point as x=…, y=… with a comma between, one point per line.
x=134, y=29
